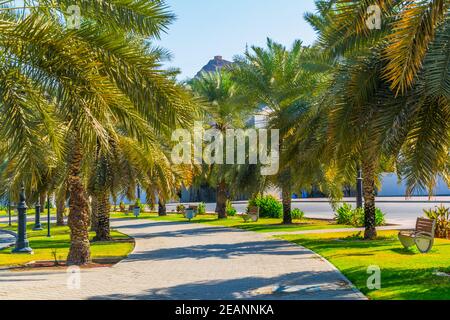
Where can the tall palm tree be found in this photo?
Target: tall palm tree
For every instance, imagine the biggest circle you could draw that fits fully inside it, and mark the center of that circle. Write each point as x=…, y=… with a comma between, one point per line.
x=380, y=113
x=279, y=80
x=224, y=110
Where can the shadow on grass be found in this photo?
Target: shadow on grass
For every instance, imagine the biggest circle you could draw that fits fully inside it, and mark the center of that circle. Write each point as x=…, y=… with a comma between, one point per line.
x=408, y=284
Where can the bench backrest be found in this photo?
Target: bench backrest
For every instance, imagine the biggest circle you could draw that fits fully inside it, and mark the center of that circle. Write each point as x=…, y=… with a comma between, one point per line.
x=253, y=210
x=425, y=225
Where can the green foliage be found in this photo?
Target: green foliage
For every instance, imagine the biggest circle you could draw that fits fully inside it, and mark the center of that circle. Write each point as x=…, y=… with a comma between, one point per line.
x=297, y=214
x=343, y=214
x=201, y=208
x=380, y=217
x=139, y=204
x=355, y=217
x=181, y=208
x=230, y=210
x=442, y=216
x=269, y=207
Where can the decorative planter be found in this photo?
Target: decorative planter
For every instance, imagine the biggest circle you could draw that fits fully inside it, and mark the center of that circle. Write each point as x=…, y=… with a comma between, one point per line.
x=190, y=214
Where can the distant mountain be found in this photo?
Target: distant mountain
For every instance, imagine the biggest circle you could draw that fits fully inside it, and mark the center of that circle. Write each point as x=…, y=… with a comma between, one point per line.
x=214, y=65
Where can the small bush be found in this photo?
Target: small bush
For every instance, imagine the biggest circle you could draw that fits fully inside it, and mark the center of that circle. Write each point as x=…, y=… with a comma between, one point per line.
x=139, y=204
x=181, y=209
x=343, y=214
x=201, y=208
x=230, y=210
x=297, y=214
x=380, y=217
x=442, y=216
x=122, y=206
x=269, y=207
x=355, y=217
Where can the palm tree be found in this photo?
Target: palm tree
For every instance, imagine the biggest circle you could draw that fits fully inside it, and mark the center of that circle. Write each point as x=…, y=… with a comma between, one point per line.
x=379, y=114
x=83, y=79
x=224, y=110
x=279, y=80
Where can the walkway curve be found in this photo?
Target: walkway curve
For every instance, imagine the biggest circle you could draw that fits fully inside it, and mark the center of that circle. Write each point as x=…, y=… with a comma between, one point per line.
x=7, y=238
x=175, y=260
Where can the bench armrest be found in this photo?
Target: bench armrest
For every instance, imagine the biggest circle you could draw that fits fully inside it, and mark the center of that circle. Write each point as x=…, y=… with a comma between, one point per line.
x=424, y=235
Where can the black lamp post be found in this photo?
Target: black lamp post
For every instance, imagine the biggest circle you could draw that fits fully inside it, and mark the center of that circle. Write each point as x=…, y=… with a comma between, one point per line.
x=22, y=244
x=9, y=210
x=48, y=216
x=137, y=209
x=37, y=216
x=359, y=189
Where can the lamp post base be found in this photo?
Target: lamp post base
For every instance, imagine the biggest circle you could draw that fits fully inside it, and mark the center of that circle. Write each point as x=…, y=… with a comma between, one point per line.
x=37, y=228
x=25, y=249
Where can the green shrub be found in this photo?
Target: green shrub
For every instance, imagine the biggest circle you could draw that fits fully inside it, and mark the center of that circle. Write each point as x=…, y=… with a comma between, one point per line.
x=139, y=204
x=297, y=214
x=201, y=208
x=355, y=217
x=269, y=207
x=343, y=214
x=380, y=217
x=181, y=209
x=442, y=216
x=230, y=210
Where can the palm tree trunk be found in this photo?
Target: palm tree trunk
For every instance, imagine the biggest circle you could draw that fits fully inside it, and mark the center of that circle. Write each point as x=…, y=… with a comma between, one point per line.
x=43, y=201
x=79, y=253
x=60, y=209
x=221, y=200
x=162, y=211
x=286, y=200
x=368, y=168
x=103, y=230
x=94, y=212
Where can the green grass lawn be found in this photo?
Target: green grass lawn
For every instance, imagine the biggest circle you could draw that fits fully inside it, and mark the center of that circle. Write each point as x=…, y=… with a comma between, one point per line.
x=264, y=225
x=30, y=211
x=44, y=247
x=405, y=274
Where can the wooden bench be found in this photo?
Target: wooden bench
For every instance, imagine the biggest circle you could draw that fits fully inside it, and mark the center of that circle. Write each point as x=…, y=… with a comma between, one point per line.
x=252, y=214
x=422, y=237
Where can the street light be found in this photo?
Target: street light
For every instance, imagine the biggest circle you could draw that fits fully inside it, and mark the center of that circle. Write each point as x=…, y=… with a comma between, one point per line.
x=137, y=208
x=359, y=189
x=37, y=215
x=9, y=210
x=48, y=215
x=22, y=244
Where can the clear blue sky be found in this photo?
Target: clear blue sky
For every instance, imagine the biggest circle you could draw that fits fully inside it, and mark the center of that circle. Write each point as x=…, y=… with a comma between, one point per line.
x=205, y=28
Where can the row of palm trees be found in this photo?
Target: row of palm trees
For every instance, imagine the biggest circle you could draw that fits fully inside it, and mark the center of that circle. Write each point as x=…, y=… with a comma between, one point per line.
x=88, y=113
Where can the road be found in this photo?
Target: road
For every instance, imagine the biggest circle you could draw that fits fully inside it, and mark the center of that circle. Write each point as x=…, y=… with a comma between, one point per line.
x=397, y=209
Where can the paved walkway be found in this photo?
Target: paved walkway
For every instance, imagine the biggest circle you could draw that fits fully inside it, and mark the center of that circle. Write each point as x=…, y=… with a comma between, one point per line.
x=6, y=239
x=190, y=261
